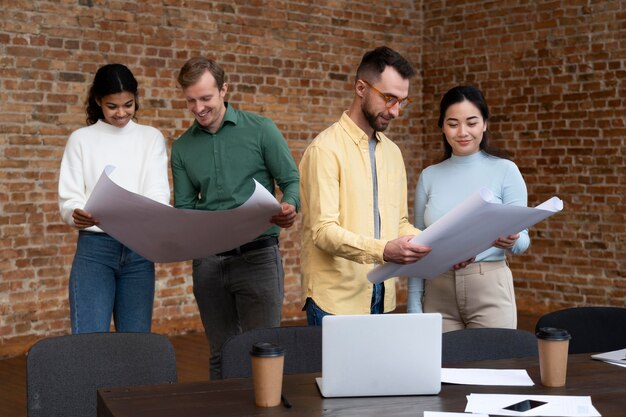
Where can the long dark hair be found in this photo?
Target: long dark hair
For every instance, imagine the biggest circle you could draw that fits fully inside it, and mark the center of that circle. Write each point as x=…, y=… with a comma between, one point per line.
x=109, y=79
x=473, y=95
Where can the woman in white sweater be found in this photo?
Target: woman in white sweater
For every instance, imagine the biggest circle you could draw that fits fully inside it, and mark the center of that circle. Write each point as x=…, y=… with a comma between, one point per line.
x=107, y=278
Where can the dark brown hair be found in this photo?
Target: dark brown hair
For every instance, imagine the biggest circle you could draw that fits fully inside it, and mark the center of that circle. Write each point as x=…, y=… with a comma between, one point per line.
x=375, y=61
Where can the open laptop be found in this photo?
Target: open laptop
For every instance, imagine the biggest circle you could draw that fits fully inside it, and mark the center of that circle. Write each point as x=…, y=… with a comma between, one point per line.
x=381, y=354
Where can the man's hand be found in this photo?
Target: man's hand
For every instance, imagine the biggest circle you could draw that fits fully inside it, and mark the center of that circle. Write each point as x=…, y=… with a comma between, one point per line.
x=506, y=242
x=402, y=251
x=286, y=217
x=82, y=219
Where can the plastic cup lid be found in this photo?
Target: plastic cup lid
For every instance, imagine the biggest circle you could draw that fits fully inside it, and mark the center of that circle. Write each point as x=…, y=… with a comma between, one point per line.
x=265, y=349
x=552, y=333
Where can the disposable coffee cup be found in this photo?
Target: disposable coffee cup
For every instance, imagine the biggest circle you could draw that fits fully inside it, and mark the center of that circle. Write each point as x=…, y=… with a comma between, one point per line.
x=553, y=345
x=267, y=373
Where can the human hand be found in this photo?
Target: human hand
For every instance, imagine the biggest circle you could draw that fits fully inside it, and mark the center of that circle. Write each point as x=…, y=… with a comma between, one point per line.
x=506, y=242
x=402, y=251
x=286, y=217
x=463, y=264
x=82, y=219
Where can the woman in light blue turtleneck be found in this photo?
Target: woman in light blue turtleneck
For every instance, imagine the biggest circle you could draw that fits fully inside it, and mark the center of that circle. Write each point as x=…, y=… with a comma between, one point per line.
x=482, y=294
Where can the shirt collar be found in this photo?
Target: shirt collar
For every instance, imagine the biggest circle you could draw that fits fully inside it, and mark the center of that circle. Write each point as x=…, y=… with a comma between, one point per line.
x=229, y=117
x=354, y=131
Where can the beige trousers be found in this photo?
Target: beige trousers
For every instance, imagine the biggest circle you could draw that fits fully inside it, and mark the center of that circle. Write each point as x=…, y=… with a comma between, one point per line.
x=480, y=295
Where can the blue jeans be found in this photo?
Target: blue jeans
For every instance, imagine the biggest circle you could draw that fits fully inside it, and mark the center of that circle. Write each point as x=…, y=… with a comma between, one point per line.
x=314, y=314
x=237, y=293
x=108, y=279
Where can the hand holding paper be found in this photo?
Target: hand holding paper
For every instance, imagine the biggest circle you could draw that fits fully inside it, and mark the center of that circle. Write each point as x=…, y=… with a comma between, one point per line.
x=466, y=231
x=162, y=233
x=403, y=251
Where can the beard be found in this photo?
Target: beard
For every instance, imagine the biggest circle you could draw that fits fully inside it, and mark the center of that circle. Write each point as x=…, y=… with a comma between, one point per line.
x=373, y=119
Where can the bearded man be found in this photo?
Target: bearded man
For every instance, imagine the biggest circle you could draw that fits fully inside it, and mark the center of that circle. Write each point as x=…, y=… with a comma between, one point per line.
x=353, y=193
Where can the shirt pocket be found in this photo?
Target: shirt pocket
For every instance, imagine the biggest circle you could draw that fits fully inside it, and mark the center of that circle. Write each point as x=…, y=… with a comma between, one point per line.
x=390, y=193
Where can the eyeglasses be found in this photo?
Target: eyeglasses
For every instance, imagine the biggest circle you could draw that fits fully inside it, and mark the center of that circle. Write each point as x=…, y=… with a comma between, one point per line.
x=391, y=101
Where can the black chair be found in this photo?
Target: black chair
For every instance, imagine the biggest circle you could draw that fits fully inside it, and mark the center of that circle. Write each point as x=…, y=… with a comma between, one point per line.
x=64, y=372
x=487, y=343
x=593, y=329
x=302, y=344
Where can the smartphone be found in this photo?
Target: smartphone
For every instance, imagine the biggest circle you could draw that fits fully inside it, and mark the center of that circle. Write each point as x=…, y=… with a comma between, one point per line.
x=524, y=405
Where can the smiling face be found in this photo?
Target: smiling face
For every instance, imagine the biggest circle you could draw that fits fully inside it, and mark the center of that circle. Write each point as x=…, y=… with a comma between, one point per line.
x=206, y=101
x=118, y=109
x=463, y=127
x=373, y=104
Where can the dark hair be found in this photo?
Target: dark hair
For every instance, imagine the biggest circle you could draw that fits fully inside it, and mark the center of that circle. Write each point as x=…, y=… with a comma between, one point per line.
x=195, y=68
x=375, y=61
x=473, y=95
x=109, y=79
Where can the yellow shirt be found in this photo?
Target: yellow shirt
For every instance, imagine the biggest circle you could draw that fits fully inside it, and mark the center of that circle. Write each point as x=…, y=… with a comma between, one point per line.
x=338, y=245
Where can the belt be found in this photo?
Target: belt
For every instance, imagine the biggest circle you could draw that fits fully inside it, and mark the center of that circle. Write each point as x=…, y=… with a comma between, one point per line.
x=254, y=245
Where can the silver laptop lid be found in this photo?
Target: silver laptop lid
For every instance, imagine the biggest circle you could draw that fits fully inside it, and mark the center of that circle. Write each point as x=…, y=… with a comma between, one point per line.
x=381, y=354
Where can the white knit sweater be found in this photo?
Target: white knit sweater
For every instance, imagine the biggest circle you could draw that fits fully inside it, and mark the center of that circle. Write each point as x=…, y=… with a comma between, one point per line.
x=137, y=152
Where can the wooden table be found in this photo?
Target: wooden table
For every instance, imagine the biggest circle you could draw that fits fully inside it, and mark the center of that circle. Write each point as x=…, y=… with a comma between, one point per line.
x=605, y=383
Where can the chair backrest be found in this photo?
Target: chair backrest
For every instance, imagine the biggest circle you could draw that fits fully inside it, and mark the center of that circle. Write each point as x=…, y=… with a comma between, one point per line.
x=593, y=329
x=64, y=372
x=303, y=350
x=487, y=343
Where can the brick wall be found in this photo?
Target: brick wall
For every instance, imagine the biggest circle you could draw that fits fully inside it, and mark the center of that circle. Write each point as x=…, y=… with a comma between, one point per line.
x=289, y=60
x=553, y=74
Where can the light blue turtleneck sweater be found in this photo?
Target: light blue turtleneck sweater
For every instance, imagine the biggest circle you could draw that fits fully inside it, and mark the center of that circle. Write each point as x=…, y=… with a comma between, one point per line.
x=443, y=186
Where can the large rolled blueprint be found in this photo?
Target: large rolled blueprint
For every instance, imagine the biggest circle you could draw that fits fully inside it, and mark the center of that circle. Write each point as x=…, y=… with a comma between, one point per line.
x=162, y=233
x=467, y=230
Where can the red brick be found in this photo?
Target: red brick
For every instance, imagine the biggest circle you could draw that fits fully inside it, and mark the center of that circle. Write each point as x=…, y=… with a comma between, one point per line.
x=557, y=105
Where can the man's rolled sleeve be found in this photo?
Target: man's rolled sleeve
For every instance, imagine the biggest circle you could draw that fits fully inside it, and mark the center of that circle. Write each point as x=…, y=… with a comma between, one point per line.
x=281, y=165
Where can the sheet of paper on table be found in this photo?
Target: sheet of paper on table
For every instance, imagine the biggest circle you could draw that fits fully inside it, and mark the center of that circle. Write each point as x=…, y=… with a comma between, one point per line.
x=615, y=357
x=449, y=414
x=162, y=233
x=556, y=405
x=464, y=232
x=501, y=377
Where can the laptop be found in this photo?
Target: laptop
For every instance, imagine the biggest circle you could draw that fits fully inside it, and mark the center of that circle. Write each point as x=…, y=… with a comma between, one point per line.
x=381, y=354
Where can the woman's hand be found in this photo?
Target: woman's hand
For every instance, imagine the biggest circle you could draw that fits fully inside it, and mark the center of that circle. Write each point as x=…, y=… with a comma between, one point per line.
x=463, y=264
x=82, y=219
x=506, y=242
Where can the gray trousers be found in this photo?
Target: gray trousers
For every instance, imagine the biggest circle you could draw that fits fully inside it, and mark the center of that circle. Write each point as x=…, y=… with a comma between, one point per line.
x=237, y=293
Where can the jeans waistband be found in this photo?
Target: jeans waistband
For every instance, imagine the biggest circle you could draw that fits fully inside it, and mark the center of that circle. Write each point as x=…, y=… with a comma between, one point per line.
x=254, y=245
x=89, y=232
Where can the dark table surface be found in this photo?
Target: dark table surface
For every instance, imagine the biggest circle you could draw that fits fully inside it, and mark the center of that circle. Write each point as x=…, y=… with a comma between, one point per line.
x=605, y=383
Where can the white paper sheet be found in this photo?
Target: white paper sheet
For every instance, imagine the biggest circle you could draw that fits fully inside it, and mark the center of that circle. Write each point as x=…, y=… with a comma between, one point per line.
x=162, y=233
x=473, y=376
x=615, y=357
x=557, y=405
x=464, y=232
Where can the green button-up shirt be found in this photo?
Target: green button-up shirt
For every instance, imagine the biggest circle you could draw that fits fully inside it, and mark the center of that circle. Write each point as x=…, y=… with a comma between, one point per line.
x=214, y=171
